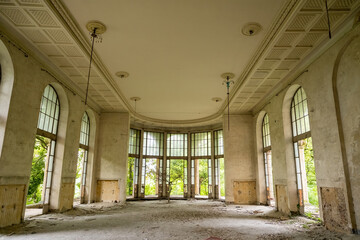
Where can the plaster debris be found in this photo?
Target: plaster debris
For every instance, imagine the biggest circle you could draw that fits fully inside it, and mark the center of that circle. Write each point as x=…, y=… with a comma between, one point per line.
x=203, y=219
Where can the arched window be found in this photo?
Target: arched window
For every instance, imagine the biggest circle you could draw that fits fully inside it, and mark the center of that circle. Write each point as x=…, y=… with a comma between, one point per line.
x=81, y=170
x=267, y=160
x=266, y=132
x=300, y=113
x=49, y=111
x=47, y=129
x=85, y=130
x=303, y=152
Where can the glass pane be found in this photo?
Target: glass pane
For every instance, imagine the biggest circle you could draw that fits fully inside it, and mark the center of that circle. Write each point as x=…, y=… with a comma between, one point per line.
x=48, y=180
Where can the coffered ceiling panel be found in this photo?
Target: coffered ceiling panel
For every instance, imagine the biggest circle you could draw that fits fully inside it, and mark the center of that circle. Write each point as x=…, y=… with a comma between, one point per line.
x=299, y=36
x=42, y=28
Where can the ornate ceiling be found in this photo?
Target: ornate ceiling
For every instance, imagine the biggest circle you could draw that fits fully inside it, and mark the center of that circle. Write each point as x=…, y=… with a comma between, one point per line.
x=176, y=85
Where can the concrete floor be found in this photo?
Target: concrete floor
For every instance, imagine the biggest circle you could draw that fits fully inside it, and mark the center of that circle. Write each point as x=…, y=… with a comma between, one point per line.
x=181, y=219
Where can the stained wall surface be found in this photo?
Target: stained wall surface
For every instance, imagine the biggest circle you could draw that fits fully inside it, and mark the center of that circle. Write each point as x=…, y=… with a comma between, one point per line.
x=240, y=173
x=347, y=81
x=23, y=97
x=113, y=154
x=317, y=82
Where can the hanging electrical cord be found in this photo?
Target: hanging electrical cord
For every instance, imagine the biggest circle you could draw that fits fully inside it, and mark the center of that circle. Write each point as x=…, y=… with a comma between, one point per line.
x=93, y=36
x=228, y=82
x=328, y=18
x=95, y=28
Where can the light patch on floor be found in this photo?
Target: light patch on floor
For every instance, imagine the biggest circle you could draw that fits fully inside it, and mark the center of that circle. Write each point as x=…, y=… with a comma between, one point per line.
x=181, y=219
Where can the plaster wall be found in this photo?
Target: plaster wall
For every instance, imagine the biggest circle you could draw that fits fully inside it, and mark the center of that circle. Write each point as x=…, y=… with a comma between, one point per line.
x=317, y=83
x=240, y=164
x=113, y=152
x=19, y=130
x=347, y=81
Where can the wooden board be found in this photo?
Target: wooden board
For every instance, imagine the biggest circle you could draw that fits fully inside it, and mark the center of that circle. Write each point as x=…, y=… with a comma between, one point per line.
x=244, y=192
x=107, y=191
x=11, y=204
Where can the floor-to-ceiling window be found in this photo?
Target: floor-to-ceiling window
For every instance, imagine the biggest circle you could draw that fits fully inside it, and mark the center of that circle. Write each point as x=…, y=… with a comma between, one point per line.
x=153, y=152
x=219, y=165
x=132, y=185
x=303, y=151
x=44, y=150
x=82, y=164
x=267, y=161
x=176, y=164
x=201, y=165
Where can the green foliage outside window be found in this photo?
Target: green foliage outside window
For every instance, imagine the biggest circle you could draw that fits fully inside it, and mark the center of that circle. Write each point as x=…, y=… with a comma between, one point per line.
x=78, y=173
x=150, y=177
x=130, y=176
x=310, y=172
x=222, y=177
x=203, y=178
x=176, y=184
x=37, y=170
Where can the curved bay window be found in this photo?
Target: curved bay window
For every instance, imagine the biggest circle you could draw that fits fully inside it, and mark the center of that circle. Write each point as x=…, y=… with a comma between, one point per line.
x=267, y=160
x=171, y=161
x=303, y=152
x=81, y=170
x=201, y=165
x=44, y=150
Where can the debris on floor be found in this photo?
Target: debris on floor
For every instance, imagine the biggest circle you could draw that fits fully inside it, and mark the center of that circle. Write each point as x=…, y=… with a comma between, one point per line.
x=203, y=219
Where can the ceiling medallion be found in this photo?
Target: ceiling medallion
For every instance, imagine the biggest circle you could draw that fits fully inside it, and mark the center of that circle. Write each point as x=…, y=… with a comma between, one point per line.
x=251, y=29
x=135, y=99
x=216, y=99
x=100, y=27
x=122, y=74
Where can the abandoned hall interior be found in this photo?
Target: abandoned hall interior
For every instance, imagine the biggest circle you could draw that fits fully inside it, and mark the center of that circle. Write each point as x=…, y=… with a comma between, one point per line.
x=224, y=107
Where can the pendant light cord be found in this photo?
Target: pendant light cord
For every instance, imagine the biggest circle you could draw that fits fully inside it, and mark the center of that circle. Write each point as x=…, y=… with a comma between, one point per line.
x=228, y=97
x=93, y=35
x=328, y=18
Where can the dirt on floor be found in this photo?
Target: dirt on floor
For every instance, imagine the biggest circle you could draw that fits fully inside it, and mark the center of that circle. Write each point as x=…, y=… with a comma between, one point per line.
x=186, y=219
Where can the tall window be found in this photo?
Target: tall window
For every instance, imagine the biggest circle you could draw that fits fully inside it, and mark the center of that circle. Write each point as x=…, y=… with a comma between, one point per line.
x=44, y=150
x=267, y=160
x=133, y=163
x=176, y=164
x=219, y=164
x=201, y=164
x=81, y=170
x=303, y=152
x=152, y=164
